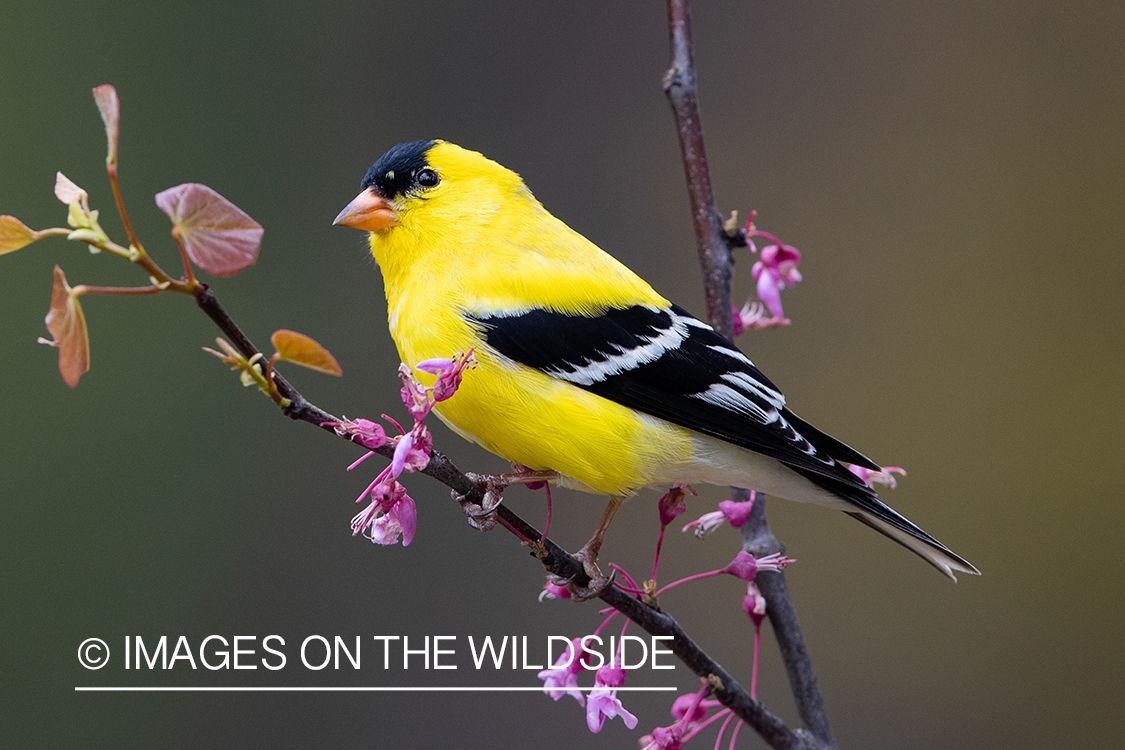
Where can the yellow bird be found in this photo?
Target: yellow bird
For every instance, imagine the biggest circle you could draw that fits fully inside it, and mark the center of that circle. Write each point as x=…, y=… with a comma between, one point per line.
x=584, y=369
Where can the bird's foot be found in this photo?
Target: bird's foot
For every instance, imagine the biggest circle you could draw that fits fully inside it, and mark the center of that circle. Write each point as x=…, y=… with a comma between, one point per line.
x=599, y=582
x=588, y=556
x=483, y=516
x=479, y=517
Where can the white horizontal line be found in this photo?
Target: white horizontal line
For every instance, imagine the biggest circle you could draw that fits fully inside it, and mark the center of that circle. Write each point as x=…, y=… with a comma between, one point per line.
x=427, y=689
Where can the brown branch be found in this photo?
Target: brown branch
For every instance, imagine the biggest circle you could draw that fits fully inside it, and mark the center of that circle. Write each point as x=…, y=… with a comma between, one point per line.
x=714, y=256
x=759, y=541
x=717, y=264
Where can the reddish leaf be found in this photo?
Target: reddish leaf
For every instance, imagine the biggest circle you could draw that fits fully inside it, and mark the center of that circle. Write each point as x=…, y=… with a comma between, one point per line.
x=219, y=237
x=301, y=350
x=106, y=98
x=14, y=234
x=67, y=325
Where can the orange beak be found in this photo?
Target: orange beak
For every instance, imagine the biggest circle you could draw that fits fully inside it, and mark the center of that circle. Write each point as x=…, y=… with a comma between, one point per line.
x=369, y=211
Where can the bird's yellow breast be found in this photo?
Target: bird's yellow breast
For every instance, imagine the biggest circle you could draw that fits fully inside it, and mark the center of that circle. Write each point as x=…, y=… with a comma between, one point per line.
x=531, y=418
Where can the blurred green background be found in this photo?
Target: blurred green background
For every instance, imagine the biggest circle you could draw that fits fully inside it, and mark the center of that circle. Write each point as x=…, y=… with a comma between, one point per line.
x=954, y=173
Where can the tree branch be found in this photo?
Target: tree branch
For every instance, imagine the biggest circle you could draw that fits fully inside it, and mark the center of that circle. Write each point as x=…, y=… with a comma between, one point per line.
x=717, y=265
x=759, y=541
x=714, y=255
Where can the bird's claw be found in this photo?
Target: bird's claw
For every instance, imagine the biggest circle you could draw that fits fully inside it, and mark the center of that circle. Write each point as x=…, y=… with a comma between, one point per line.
x=480, y=517
x=599, y=582
x=483, y=516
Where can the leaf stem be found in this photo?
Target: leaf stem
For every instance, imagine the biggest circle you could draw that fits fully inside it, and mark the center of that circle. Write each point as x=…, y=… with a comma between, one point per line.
x=188, y=273
x=86, y=289
x=52, y=232
x=111, y=170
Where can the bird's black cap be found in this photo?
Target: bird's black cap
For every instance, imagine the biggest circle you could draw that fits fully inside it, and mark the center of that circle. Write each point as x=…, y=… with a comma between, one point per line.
x=395, y=171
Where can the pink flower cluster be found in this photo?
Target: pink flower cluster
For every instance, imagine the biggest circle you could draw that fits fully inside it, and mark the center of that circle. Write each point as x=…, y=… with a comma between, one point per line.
x=562, y=679
x=690, y=711
x=604, y=703
x=392, y=513
x=775, y=270
x=736, y=514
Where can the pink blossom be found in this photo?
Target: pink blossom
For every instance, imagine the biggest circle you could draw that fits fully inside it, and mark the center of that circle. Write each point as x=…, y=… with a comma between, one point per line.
x=671, y=505
x=884, y=476
x=402, y=448
x=675, y=502
x=363, y=431
x=690, y=711
x=752, y=316
x=689, y=708
x=415, y=396
x=553, y=591
x=412, y=452
x=392, y=514
x=745, y=566
x=754, y=604
x=420, y=399
x=776, y=270
x=435, y=365
x=449, y=376
x=664, y=738
x=603, y=703
x=401, y=519
x=736, y=514
x=562, y=678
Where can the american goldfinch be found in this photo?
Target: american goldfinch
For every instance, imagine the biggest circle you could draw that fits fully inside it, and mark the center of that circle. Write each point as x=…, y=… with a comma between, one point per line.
x=583, y=369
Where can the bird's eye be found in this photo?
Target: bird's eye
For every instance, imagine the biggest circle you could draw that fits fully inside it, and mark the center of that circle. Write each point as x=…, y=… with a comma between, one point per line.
x=427, y=178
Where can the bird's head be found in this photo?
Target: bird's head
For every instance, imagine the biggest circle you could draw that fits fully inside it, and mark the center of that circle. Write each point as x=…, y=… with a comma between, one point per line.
x=427, y=185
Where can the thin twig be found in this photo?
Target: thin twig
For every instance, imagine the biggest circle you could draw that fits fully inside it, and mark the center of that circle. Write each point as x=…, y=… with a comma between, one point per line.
x=189, y=274
x=111, y=170
x=87, y=289
x=717, y=264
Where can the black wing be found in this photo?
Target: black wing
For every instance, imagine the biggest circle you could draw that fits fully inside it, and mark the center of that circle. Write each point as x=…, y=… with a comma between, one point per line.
x=667, y=363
